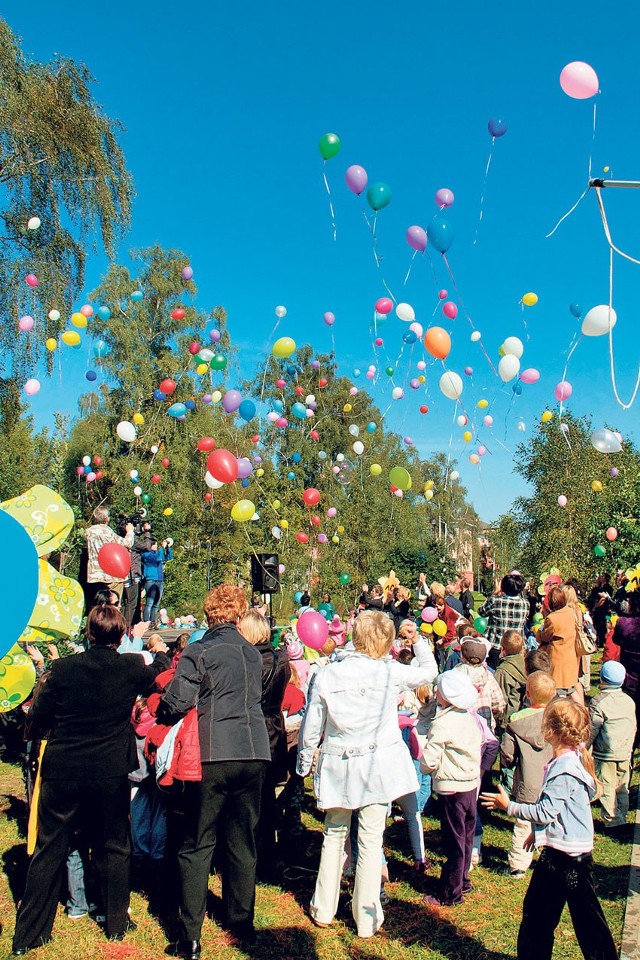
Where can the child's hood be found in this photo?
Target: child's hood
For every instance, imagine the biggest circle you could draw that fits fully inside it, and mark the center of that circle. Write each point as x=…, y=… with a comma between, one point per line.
x=477, y=673
x=529, y=730
x=570, y=763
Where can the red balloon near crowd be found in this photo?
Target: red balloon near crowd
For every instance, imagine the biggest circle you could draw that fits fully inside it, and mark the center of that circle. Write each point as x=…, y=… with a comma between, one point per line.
x=114, y=560
x=222, y=465
x=205, y=444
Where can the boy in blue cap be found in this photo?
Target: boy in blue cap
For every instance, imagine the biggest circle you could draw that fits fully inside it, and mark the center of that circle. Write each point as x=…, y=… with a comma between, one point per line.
x=613, y=724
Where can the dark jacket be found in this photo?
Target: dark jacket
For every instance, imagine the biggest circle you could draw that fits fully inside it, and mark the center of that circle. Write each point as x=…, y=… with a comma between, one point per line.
x=468, y=603
x=371, y=603
x=512, y=680
x=627, y=635
x=222, y=673
x=276, y=672
x=140, y=546
x=523, y=747
x=86, y=703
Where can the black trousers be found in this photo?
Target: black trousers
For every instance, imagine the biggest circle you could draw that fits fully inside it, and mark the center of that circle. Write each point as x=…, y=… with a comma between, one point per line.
x=226, y=802
x=558, y=879
x=131, y=603
x=101, y=808
x=458, y=825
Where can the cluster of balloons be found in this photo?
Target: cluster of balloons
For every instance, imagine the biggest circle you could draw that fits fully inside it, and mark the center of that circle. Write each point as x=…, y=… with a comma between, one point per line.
x=90, y=468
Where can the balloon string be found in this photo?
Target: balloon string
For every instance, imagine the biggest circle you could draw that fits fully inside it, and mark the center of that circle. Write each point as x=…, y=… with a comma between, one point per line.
x=607, y=231
x=484, y=188
x=333, y=215
x=410, y=265
x=593, y=135
x=569, y=212
x=466, y=313
x=625, y=406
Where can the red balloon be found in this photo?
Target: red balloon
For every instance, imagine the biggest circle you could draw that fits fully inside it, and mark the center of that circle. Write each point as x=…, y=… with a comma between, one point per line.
x=156, y=478
x=302, y=538
x=312, y=629
x=177, y=314
x=206, y=443
x=311, y=496
x=315, y=520
x=314, y=435
x=208, y=496
x=424, y=409
x=99, y=474
x=222, y=465
x=97, y=461
x=322, y=382
x=384, y=305
x=255, y=438
x=165, y=462
x=115, y=560
x=194, y=348
x=167, y=386
x=300, y=391
x=80, y=470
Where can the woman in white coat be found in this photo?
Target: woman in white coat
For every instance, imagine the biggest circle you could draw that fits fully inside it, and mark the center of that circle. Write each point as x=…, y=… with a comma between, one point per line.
x=363, y=762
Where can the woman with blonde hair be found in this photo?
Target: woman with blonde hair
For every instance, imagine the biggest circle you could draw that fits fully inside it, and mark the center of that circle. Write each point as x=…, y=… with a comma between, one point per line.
x=222, y=674
x=363, y=762
x=558, y=638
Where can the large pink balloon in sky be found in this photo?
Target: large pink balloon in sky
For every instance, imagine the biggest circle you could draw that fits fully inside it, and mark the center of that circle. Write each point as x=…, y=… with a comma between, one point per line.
x=579, y=80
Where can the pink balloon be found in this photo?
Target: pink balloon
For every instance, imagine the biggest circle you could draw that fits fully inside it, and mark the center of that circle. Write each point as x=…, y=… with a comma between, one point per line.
x=31, y=280
x=417, y=329
x=468, y=371
x=481, y=451
x=399, y=494
x=531, y=375
x=336, y=470
x=563, y=390
x=322, y=538
x=417, y=238
x=331, y=512
x=369, y=374
x=272, y=416
x=281, y=383
x=421, y=365
x=444, y=198
x=429, y=614
x=488, y=420
x=450, y=310
x=32, y=387
x=612, y=534
x=579, y=80
x=282, y=422
x=356, y=179
x=329, y=319
x=443, y=294
x=562, y=501
x=87, y=310
x=384, y=305
x=91, y=477
x=312, y=629
x=25, y=323
x=80, y=470
x=353, y=391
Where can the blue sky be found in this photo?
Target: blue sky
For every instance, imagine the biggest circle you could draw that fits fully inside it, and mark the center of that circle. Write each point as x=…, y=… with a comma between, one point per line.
x=224, y=106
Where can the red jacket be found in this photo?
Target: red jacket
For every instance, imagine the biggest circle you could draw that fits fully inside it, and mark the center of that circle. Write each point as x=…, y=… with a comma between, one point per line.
x=185, y=763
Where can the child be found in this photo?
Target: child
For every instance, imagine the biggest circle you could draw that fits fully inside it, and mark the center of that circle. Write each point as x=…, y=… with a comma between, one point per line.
x=452, y=756
x=613, y=730
x=491, y=702
x=510, y=673
x=562, y=824
x=524, y=750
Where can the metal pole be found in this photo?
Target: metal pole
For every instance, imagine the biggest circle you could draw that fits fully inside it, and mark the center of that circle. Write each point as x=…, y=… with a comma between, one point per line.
x=599, y=182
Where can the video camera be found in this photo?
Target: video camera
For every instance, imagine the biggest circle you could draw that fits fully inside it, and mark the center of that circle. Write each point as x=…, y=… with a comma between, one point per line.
x=137, y=519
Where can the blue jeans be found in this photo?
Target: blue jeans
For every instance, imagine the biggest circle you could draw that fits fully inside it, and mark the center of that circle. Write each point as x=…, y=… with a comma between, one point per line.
x=77, y=904
x=148, y=820
x=424, y=789
x=153, y=595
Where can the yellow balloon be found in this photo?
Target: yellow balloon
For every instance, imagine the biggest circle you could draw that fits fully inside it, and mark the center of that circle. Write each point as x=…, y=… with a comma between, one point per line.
x=605, y=169
x=467, y=436
x=428, y=494
x=429, y=485
x=51, y=343
x=546, y=416
x=426, y=628
x=596, y=486
x=474, y=458
x=422, y=378
x=375, y=469
x=259, y=472
x=202, y=368
x=216, y=396
x=242, y=511
x=79, y=320
x=530, y=299
x=276, y=504
x=501, y=352
x=168, y=511
x=71, y=338
x=335, y=539
x=439, y=628
x=138, y=419
x=340, y=529
x=347, y=408
x=483, y=403
x=284, y=524
x=283, y=347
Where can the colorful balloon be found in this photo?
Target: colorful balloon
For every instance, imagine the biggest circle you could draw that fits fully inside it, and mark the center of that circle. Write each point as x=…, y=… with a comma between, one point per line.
x=126, y=431
x=405, y=312
x=612, y=534
x=311, y=496
x=31, y=387
x=599, y=320
x=222, y=465
x=440, y=234
x=242, y=511
x=329, y=146
x=283, y=348
x=384, y=305
x=400, y=478
x=450, y=310
x=417, y=238
x=437, y=342
x=497, y=127
x=379, y=196
x=605, y=441
x=530, y=375
x=115, y=560
x=563, y=390
x=579, y=80
x=451, y=385
x=356, y=179
x=530, y=299
x=231, y=401
x=508, y=368
x=444, y=198
x=312, y=629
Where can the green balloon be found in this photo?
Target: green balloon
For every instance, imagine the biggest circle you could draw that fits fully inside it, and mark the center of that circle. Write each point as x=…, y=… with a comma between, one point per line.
x=329, y=146
x=146, y=498
x=481, y=624
x=219, y=362
x=400, y=478
x=390, y=371
x=599, y=550
x=344, y=579
x=379, y=195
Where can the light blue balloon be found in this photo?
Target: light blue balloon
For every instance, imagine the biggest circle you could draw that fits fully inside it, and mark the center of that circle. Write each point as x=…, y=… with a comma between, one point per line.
x=177, y=410
x=372, y=427
x=104, y=313
x=19, y=572
x=410, y=337
x=100, y=348
x=322, y=454
x=291, y=475
x=440, y=234
x=278, y=406
x=297, y=596
x=247, y=410
x=296, y=457
x=137, y=296
x=299, y=411
x=575, y=310
x=356, y=372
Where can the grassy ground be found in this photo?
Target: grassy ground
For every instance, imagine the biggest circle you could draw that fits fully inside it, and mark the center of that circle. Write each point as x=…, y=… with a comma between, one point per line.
x=483, y=928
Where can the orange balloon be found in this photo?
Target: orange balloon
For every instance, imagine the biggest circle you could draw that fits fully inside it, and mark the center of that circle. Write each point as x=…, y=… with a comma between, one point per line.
x=437, y=342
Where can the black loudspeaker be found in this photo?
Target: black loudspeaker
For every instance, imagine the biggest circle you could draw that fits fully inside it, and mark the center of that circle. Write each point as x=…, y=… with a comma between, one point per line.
x=264, y=573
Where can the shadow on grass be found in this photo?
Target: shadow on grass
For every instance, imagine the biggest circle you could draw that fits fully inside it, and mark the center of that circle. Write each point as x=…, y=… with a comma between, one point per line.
x=283, y=943
x=16, y=811
x=15, y=864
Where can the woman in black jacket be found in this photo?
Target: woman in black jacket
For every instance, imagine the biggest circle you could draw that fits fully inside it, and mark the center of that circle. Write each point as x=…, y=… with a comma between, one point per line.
x=276, y=672
x=222, y=674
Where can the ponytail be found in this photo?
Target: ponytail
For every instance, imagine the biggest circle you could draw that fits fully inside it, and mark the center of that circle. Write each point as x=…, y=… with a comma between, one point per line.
x=569, y=723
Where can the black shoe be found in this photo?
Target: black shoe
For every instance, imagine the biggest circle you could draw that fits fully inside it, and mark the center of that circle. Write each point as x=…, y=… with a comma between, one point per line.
x=21, y=951
x=129, y=928
x=188, y=949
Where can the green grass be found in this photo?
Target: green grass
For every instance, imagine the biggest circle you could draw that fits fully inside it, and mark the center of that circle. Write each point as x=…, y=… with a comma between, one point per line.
x=483, y=928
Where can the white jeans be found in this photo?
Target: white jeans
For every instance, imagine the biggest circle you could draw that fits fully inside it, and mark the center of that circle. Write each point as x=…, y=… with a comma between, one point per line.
x=409, y=806
x=367, y=911
x=519, y=858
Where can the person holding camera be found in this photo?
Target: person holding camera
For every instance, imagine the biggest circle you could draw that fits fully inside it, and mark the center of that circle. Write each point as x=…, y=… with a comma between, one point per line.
x=153, y=561
x=97, y=535
x=133, y=584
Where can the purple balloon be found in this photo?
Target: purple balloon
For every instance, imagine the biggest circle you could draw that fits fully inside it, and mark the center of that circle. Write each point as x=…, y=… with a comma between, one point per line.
x=214, y=335
x=417, y=238
x=444, y=198
x=231, y=401
x=468, y=371
x=245, y=468
x=316, y=364
x=207, y=398
x=313, y=406
x=329, y=318
x=414, y=383
x=496, y=127
x=257, y=458
x=356, y=179
x=322, y=538
x=187, y=273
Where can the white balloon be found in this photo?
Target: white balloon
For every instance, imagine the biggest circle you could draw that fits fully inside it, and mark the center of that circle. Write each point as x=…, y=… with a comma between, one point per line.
x=606, y=441
x=417, y=329
x=451, y=385
x=428, y=494
x=462, y=420
x=454, y=475
x=513, y=346
x=358, y=447
x=522, y=426
x=475, y=336
x=596, y=321
x=212, y=482
x=126, y=431
x=310, y=399
x=54, y=315
x=133, y=474
x=276, y=532
x=33, y=223
x=256, y=516
x=397, y=393
x=404, y=311
x=86, y=461
x=154, y=449
x=137, y=491
x=354, y=430
x=281, y=312
x=340, y=457
x=508, y=368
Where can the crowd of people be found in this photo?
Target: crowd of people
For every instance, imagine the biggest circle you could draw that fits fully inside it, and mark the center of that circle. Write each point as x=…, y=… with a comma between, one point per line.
x=163, y=764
